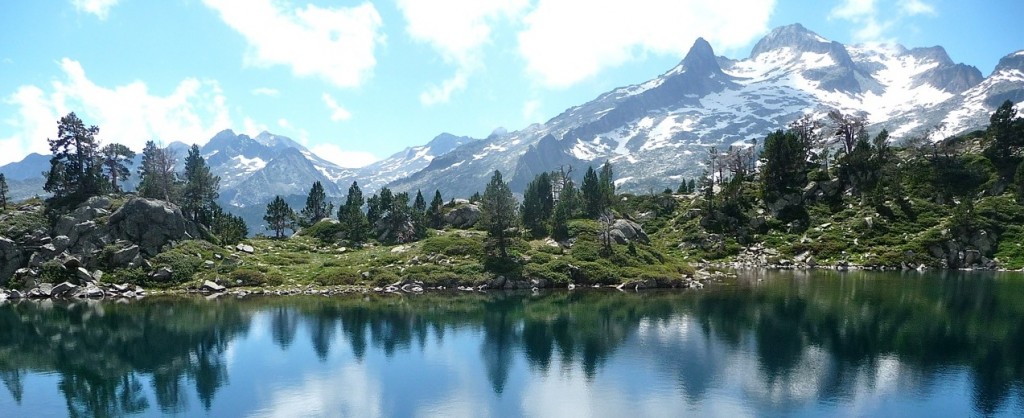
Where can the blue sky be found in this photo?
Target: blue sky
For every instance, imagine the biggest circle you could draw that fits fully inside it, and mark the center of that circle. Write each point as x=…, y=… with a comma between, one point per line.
x=357, y=81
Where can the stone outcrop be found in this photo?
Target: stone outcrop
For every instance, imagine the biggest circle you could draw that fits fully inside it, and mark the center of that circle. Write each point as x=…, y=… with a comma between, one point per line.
x=94, y=234
x=624, y=230
x=151, y=224
x=11, y=258
x=463, y=216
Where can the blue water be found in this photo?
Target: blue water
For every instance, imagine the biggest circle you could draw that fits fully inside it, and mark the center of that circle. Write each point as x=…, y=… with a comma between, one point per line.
x=822, y=344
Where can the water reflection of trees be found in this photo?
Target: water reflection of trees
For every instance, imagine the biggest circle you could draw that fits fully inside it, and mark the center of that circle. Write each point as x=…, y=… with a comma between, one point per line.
x=104, y=353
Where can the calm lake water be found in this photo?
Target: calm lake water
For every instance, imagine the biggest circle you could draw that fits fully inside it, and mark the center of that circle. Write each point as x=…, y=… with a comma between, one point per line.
x=797, y=344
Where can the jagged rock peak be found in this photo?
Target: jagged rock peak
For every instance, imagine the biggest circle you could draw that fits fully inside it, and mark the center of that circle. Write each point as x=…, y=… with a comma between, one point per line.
x=701, y=58
x=1014, y=61
x=276, y=141
x=935, y=53
x=794, y=36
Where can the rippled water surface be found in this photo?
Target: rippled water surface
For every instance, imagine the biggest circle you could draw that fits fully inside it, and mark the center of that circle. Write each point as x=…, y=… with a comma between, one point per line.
x=797, y=344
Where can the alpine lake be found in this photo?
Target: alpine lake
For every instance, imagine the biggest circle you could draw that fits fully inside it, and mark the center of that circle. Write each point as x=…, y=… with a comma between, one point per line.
x=792, y=343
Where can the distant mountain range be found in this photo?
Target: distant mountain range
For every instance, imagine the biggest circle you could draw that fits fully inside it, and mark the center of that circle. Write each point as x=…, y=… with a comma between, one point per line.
x=654, y=133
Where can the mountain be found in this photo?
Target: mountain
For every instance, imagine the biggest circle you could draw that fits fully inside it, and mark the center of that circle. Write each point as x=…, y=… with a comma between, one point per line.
x=403, y=164
x=654, y=133
x=657, y=132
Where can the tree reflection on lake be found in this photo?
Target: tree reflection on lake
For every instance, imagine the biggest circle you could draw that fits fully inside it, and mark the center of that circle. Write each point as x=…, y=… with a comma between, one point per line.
x=821, y=343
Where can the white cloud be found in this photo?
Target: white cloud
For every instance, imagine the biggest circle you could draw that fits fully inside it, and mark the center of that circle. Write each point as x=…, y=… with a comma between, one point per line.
x=917, y=7
x=100, y=8
x=457, y=30
x=128, y=114
x=347, y=159
x=866, y=17
x=252, y=128
x=441, y=94
x=266, y=91
x=338, y=113
x=336, y=44
x=567, y=41
x=531, y=111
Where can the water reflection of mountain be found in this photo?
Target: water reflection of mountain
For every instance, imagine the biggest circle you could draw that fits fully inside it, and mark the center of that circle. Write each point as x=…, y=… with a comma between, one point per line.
x=783, y=343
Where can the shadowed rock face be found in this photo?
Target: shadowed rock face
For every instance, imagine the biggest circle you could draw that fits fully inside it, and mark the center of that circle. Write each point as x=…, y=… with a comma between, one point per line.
x=151, y=224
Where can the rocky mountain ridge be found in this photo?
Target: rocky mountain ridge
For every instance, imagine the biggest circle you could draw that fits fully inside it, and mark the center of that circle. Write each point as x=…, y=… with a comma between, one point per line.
x=654, y=133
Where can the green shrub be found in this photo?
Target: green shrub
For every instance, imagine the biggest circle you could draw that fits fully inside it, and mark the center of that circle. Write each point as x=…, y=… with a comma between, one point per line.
x=586, y=250
x=183, y=266
x=555, y=272
x=248, y=277
x=54, y=272
x=325, y=231
x=597, y=273
x=453, y=245
x=583, y=227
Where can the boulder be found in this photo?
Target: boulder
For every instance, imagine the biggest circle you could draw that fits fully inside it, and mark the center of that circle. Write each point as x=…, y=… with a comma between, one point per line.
x=162, y=274
x=151, y=224
x=248, y=249
x=208, y=264
x=90, y=291
x=209, y=286
x=463, y=216
x=124, y=256
x=11, y=259
x=83, y=275
x=45, y=289
x=628, y=230
x=63, y=289
x=72, y=263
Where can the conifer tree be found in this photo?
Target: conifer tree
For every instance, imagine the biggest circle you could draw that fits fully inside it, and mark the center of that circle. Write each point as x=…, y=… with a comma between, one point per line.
x=3, y=191
x=317, y=207
x=116, y=159
x=593, y=197
x=538, y=204
x=498, y=214
x=568, y=207
x=279, y=217
x=435, y=212
x=607, y=182
x=351, y=215
x=75, y=164
x=419, y=216
x=200, y=190
x=228, y=228
x=157, y=179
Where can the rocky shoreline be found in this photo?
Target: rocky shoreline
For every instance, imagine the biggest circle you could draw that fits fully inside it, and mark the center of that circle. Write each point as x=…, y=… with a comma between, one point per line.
x=93, y=290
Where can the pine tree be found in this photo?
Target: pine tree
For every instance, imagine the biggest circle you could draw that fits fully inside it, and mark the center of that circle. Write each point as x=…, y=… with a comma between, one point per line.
x=373, y=210
x=435, y=212
x=1006, y=136
x=784, y=165
x=607, y=182
x=317, y=206
x=75, y=166
x=396, y=218
x=498, y=214
x=568, y=207
x=3, y=191
x=199, y=194
x=593, y=197
x=157, y=179
x=419, y=216
x=116, y=159
x=683, y=188
x=279, y=217
x=228, y=228
x=351, y=215
x=538, y=205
